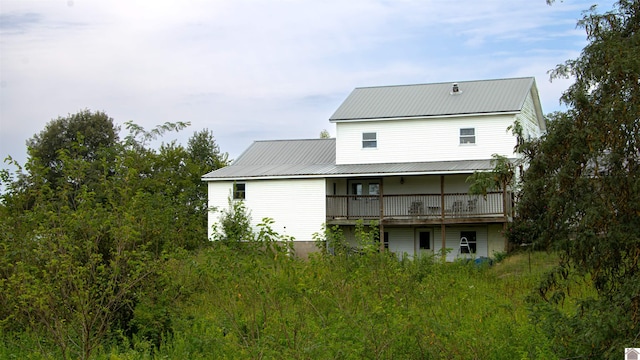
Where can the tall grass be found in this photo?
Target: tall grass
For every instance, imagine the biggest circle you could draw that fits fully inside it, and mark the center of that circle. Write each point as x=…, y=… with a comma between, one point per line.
x=364, y=306
x=260, y=304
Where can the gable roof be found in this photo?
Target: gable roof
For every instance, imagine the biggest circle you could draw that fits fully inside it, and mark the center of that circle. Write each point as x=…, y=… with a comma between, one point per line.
x=438, y=99
x=280, y=157
x=290, y=152
x=317, y=158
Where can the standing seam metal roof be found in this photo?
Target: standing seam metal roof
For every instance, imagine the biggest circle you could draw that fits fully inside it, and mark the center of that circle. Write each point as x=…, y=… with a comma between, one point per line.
x=317, y=157
x=312, y=158
x=289, y=152
x=424, y=100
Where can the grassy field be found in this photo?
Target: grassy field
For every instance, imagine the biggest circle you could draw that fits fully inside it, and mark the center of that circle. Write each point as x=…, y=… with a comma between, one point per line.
x=228, y=304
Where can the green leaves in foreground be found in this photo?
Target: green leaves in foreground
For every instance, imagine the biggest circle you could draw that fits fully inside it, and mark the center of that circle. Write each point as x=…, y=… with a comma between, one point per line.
x=581, y=193
x=86, y=231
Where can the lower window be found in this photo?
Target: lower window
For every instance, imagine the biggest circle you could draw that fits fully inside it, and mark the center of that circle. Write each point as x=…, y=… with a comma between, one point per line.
x=239, y=191
x=471, y=240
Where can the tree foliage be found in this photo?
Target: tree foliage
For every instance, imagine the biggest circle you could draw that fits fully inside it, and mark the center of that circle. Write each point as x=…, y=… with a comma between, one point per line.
x=324, y=134
x=87, y=224
x=95, y=132
x=581, y=192
x=234, y=224
x=204, y=155
x=500, y=177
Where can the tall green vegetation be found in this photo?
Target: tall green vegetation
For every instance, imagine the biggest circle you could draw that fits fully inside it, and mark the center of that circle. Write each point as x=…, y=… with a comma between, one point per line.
x=581, y=192
x=87, y=226
x=362, y=306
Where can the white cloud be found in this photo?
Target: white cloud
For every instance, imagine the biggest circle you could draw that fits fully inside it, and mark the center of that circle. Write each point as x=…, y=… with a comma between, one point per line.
x=258, y=69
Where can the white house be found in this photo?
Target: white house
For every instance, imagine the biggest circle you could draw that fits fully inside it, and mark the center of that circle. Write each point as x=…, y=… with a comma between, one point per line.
x=401, y=157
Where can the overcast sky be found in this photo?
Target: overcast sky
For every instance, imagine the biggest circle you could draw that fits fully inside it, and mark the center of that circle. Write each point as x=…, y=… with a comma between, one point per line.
x=259, y=70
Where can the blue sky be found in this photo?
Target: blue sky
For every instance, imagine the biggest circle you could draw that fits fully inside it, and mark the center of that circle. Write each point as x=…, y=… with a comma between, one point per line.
x=257, y=70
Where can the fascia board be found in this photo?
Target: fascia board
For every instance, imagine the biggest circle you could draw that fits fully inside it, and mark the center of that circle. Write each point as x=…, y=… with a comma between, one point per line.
x=349, y=175
x=425, y=117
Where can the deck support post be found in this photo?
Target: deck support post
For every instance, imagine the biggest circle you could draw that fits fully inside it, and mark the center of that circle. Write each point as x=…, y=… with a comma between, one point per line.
x=505, y=214
x=381, y=237
x=442, y=226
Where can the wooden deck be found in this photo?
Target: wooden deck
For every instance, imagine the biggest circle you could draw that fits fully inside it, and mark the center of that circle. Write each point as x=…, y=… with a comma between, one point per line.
x=418, y=209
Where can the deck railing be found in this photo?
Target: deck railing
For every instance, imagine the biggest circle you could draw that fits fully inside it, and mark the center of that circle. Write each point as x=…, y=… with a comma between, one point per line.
x=351, y=207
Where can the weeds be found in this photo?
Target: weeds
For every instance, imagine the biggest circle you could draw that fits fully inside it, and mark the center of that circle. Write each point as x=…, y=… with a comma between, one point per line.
x=253, y=304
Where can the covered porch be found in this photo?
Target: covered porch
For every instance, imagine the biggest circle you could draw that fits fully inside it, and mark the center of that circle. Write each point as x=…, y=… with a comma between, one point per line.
x=413, y=200
x=418, y=208
x=422, y=213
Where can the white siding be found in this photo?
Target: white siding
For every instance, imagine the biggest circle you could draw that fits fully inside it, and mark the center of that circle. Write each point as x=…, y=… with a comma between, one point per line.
x=298, y=206
x=416, y=140
x=218, y=197
x=496, y=239
x=453, y=240
x=529, y=120
x=425, y=184
x=413, y=185
x=401, y=241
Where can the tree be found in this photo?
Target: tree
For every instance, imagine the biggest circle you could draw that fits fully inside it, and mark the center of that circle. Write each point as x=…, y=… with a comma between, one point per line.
x=499, y=178
x=581, y=192
x=81, y=248
x=70, y=272
x=204, y=150
x=84, y=134
x=324, y=134
x=204, y=156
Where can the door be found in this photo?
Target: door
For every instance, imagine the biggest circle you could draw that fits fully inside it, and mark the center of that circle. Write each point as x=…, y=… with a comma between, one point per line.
x=423, y=242
x=366, y=203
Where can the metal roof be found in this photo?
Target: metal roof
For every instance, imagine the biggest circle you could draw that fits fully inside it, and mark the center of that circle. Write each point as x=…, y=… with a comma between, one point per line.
x=289, y=152
x=317, y=158
x=280, y=157
x=438, y=99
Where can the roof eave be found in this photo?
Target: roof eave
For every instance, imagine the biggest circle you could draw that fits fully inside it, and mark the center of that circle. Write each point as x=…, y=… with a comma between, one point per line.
x=343, y=175
x=510, y=112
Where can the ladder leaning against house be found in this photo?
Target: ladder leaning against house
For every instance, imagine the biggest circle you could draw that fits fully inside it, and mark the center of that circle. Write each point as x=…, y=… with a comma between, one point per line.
x=464, y=244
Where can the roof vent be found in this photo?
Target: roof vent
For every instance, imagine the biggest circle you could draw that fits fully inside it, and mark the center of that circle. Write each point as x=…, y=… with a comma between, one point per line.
x=455, y=89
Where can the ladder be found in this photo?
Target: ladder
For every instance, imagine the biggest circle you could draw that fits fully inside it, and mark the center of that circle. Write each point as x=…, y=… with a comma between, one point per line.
x=464, y=244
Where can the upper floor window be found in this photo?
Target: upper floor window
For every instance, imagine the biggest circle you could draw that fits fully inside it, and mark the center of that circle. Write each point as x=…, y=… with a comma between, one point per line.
x=369, y=140
x=467, y=136
x=239, y=191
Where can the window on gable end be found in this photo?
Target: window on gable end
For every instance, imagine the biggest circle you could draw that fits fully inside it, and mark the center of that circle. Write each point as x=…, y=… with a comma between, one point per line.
x=369, y=140
x=239, y=191
x=467, y=136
